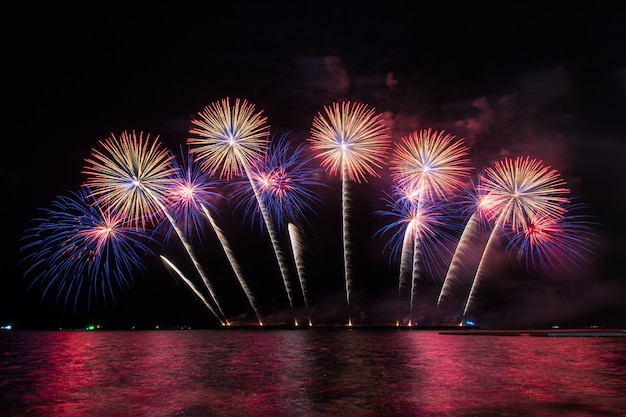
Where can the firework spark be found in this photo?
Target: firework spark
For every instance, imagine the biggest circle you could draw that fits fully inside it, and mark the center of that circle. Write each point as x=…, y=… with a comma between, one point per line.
x=477, y=210
x=233, y=263
x=191, y=198
x=350, y=139
x=298, y=247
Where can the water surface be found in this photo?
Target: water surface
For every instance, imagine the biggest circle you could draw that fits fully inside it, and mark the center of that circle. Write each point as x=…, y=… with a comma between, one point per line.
x=313, y=372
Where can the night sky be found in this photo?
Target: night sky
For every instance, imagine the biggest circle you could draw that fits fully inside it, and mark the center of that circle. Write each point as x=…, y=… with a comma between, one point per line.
x=544, y=79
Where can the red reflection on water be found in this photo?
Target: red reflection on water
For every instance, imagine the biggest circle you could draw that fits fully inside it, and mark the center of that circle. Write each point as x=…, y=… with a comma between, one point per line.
x=508, y=374
x=308, y=373
x=257, y=368
x=88, y=374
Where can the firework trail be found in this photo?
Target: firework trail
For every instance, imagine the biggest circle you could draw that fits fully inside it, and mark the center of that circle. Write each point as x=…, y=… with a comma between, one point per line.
x=352, y=140
x=427, y=166
x=231, y=140
x=134, y=175
x=79, y=246
x=460, y=258
x=518, y=190
x=196, y=264
x=558, y=244
x=190, y=196
x=477, y=209
x=287, y=181
x=427, y=226
x=297, y=247
x=234, y=264
x=191, y=285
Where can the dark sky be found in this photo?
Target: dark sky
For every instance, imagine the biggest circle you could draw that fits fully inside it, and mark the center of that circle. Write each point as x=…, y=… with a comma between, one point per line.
x=545, y=79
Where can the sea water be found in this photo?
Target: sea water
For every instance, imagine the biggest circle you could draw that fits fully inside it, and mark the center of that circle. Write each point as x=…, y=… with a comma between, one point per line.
x=312, y=372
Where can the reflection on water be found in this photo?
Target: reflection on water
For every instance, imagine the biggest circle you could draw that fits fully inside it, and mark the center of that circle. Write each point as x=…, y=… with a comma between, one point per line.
x=313, y=372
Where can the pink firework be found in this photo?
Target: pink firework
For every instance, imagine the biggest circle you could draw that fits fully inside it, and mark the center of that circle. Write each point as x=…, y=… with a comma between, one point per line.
x=557, y=245
x=433, y=162
x=351, y=139
x=518, y=191
x=430, y=165
x=521, y=189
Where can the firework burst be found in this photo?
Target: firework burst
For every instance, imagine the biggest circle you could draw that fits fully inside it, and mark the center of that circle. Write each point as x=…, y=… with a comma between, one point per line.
x=556, y=245
x=131, y=173
x=420, y=238
x=231, y=139
x=81, y=249
x=136, y=176
x=521, y=189
x=189, y=190
x=427, y=167
x=350, y=139
x=433, y=163
x=516, y=192
x=288, y=183
x=228, y=138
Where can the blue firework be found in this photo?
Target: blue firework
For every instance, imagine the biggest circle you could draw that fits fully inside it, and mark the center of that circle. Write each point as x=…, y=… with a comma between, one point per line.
x=433, y=224
x=288, y=182
x=80, y=251
x=557, y=245
x=189, y=191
